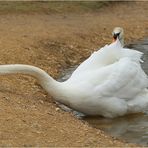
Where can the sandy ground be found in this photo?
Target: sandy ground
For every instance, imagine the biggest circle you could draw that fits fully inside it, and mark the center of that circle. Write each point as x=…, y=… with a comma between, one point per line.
x=30, y=117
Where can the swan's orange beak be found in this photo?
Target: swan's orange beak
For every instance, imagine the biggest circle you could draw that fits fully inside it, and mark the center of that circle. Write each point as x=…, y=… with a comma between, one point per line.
x=114, y=40
x=115, y=36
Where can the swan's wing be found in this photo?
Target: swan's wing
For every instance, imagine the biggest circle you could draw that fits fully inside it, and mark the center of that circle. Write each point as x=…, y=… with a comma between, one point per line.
x=92, y=62
x=132, y=54
x=105, y=56
x=125, y=73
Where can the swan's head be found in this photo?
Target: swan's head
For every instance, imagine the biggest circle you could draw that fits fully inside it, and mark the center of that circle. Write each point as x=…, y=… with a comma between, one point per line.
x=118, y=33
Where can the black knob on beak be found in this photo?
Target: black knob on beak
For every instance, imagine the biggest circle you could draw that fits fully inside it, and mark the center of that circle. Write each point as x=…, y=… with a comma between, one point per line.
x=115, y=35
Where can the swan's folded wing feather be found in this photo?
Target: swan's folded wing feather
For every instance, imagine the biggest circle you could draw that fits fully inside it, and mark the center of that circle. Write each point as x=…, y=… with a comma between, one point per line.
x=105, y=56
x=133, y=54
x=122, y=74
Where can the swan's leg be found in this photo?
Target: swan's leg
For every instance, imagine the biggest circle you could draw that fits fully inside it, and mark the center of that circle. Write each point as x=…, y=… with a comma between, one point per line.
x=140, y=103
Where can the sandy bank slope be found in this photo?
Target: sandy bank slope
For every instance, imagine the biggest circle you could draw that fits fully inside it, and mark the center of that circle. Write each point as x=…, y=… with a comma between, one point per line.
x=28, y=117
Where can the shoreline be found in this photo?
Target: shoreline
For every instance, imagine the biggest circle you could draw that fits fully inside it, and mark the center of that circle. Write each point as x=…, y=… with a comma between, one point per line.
x=30, y=117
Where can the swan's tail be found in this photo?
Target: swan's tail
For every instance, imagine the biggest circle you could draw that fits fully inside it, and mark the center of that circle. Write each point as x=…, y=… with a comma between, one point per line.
x=140, y=103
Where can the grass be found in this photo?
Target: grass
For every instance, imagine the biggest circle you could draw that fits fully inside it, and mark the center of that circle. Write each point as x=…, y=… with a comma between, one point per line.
x=50, y=6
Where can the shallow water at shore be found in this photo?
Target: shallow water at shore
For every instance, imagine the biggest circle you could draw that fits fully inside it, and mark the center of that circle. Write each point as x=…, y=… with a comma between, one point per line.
x=132, y=128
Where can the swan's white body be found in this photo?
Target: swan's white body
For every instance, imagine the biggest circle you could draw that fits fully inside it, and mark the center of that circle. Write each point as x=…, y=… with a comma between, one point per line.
x=110, y=83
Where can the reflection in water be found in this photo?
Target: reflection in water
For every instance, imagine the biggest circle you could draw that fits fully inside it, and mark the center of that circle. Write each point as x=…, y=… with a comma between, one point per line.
x=132, y=128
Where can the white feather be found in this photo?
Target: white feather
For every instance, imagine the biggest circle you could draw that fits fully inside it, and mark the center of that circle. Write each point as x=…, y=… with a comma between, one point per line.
x=109, y=80
x=110, y=83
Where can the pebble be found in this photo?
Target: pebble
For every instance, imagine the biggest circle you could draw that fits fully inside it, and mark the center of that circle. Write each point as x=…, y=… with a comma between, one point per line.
x=6, y=98
x=41, y=101
x=57, y=109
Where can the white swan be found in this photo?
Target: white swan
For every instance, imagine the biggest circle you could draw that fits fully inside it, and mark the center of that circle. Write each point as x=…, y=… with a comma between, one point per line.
x=110, y=82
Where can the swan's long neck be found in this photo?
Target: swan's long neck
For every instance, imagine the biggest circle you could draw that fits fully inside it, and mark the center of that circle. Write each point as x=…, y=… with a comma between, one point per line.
x=53, y=87
x=122, y=41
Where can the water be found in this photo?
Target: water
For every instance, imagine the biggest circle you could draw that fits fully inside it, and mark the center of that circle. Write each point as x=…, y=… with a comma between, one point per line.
x=132, y=128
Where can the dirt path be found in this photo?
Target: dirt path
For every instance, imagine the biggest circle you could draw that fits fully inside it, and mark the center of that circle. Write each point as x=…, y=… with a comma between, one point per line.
x=28, y=117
